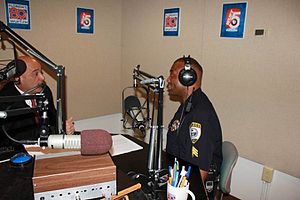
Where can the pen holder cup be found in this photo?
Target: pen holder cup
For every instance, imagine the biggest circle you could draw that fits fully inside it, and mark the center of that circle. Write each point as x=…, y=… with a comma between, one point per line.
x=179, y=193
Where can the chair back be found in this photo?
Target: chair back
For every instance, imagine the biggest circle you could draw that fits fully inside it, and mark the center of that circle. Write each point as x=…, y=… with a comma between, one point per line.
x=230, y=156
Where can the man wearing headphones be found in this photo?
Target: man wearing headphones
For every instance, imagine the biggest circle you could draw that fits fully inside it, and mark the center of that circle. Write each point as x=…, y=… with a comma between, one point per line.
x=194, y=134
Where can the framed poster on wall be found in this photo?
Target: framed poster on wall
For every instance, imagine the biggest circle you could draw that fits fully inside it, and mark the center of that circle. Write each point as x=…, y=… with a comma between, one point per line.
x=17, y=14
x=85, y=20
x=233, y=20
x=171, y=22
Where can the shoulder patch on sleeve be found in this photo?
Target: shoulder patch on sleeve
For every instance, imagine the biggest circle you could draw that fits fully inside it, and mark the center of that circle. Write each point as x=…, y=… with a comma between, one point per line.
x=195, y=131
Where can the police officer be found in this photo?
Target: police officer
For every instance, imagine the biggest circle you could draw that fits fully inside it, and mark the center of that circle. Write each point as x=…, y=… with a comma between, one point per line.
x=194, y=134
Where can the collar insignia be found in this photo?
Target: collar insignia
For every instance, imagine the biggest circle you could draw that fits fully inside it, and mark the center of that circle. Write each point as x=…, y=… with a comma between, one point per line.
x=175, y=125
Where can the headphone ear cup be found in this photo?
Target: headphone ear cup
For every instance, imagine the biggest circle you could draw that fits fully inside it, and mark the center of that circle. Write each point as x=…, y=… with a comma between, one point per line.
x=187, y=77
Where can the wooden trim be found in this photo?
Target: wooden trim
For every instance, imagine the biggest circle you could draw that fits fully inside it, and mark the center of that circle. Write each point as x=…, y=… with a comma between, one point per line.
x=126, y=191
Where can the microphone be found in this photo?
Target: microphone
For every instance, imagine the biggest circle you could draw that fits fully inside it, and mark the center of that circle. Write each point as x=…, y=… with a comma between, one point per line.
x=90, y=142
x=134, y=110
x=42, y=85
x=149, y=81
x=13, y=69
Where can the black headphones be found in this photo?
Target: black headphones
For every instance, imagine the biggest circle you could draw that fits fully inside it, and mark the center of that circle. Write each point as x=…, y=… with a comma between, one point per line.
x=187, y=76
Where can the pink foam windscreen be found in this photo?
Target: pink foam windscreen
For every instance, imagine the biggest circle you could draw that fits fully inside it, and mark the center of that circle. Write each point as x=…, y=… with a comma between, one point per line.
x=95, y=142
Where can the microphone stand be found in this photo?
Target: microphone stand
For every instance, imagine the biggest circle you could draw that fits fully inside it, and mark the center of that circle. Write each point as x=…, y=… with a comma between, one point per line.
x=57, y=69
x=44, y=126
x=156, y=84
x=126, y=113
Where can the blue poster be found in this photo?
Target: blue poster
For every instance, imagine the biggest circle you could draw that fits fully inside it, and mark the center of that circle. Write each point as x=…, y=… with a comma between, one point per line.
x=17, y=14
x=85, y=20
x=233, y=20
x=171, y=22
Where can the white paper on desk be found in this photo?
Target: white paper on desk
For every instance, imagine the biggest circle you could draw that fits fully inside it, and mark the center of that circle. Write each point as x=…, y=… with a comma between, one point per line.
x=122, y=145
x=40, y=155
x=54, y=155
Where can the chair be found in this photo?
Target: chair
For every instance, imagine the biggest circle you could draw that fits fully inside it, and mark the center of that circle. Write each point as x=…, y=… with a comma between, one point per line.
x=230, y=156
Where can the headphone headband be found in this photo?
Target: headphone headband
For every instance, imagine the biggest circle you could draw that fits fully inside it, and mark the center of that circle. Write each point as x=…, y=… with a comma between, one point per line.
x=187, y=65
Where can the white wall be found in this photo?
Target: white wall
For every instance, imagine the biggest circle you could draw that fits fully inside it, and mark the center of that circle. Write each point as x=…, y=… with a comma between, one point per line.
x=246, y=178
x=247, y=184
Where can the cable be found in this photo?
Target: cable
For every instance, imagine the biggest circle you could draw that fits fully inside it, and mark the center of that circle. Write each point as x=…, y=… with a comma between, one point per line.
x=17, y=141
x=185, y=109
x=14, y=140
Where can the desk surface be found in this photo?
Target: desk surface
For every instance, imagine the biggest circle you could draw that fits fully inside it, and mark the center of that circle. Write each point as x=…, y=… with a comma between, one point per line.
x=137, y=162
x=16, y=183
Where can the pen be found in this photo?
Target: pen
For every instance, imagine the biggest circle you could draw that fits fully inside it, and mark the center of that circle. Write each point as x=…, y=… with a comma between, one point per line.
x=175, y=179
x=170, y=171
x=174, y=168
x=182, y=174
x=171, y=175
x=188, y=172
x=183, y=182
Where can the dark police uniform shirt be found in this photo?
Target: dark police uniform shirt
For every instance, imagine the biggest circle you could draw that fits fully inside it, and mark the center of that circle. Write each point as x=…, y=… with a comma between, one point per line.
x=195, y=136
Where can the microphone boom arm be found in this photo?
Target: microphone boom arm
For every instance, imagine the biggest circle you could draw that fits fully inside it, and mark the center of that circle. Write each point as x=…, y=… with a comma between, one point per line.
x=20, y=111
x=140, y=76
